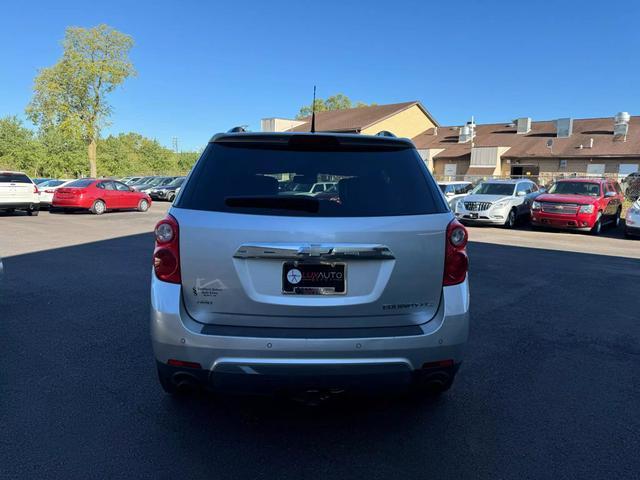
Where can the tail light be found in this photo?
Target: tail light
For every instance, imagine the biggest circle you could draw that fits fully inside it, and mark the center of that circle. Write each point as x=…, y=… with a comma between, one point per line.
x=35, y=189
x=49, y=191
x=456, y=262
x=166, y=256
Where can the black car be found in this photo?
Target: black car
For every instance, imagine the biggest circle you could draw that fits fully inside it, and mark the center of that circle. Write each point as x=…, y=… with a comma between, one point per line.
x=167, y=192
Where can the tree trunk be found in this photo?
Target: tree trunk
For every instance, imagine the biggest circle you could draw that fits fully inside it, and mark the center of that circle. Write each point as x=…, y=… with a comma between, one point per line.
x=91, y=150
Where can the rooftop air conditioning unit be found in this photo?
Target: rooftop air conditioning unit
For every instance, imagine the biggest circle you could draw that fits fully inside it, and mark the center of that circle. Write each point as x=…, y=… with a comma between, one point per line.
x=621, y=126
x=465, y=134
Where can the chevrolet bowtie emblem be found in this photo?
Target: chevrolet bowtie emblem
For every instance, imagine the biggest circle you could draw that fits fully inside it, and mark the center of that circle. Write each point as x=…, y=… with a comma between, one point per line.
x=314, y=250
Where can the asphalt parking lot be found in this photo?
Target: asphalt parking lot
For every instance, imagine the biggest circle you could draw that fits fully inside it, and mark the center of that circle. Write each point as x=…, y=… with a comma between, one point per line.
x=550, y=387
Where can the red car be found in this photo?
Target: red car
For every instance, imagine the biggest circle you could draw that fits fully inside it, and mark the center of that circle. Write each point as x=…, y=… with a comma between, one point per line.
x=98, y=196
x=585, y=204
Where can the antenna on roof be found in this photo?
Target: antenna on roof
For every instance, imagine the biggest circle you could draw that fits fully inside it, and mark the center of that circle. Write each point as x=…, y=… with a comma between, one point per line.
x=313, y=111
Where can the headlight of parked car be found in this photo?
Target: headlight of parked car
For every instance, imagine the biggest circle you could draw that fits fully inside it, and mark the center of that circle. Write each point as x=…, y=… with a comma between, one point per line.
x=459, y=206
x=536, y=206
x=501, y=204
x=586, y=209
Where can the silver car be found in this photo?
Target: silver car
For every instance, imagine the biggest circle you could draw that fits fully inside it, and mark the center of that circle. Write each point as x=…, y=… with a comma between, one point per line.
x=498, y=202
x=256, y=290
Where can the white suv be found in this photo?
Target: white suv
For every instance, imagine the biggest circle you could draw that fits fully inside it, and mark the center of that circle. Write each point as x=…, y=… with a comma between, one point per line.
x=18, y=192
x=257, y=289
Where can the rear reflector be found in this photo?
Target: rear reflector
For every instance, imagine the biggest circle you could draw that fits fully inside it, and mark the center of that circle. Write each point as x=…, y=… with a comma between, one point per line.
x=439, y=364
x=182, y=363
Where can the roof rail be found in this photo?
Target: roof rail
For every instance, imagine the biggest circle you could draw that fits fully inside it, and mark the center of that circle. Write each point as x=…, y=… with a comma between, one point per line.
x=385, y=133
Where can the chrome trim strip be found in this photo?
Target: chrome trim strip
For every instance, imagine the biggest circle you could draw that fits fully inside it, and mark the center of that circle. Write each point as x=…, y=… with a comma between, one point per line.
x=314, y=251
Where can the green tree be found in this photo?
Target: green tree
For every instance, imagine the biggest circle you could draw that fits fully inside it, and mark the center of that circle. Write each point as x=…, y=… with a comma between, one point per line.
x=334, y=102
x=63, y=154
x=19, y=148
x=72, y=94
x=186, y=160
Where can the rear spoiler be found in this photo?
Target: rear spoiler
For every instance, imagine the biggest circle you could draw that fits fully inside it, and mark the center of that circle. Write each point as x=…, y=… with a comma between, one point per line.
x=313, y=141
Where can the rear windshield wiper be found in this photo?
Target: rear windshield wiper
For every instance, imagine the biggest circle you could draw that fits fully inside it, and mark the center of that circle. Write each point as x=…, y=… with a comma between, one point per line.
x=282, y=202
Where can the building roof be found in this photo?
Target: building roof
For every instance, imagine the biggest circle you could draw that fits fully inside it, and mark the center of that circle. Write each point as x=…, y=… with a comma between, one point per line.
x=356, y=119
x=534, y=143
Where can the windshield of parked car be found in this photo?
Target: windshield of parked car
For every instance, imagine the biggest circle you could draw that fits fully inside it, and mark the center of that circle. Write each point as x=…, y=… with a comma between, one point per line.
x=176, y=182
x=301, y=187
x=155, y=181
x=576, y=188
x=245, y=178
x=142, y=181
x=51, y=183
x=494, y=189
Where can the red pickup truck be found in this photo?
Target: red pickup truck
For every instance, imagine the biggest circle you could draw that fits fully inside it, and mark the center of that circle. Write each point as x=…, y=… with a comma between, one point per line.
x=585, y=204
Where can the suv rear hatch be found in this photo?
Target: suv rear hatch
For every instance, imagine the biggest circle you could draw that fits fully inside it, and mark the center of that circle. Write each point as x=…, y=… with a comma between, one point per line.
x=253, y=253
x=16, y=188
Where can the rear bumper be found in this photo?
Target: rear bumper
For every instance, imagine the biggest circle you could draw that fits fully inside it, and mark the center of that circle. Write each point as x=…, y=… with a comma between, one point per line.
x=20, y=205
x=65, y=203
x=257, y=363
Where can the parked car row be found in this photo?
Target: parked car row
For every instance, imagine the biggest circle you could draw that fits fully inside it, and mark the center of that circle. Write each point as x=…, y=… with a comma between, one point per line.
x=584, y=204
x=19, y=192
x=99, y=196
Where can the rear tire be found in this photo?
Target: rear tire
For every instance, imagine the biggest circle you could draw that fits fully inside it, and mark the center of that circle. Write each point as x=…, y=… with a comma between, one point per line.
x=143, y=205
x=171, y=197
x=98, y=207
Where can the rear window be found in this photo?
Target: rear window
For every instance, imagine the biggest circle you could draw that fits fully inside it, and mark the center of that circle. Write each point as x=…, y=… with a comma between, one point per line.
x=6, y=177
x=268, y=180
x=83, y=182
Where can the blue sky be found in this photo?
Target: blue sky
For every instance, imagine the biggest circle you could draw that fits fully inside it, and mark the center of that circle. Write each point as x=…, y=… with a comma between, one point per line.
x=204, y=67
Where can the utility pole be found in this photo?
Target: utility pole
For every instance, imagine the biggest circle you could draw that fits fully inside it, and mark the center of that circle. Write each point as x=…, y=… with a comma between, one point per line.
x=174, y=142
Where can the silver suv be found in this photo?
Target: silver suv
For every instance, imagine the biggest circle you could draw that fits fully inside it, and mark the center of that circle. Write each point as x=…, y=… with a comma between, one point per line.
x=498, y=202
x=256, y=290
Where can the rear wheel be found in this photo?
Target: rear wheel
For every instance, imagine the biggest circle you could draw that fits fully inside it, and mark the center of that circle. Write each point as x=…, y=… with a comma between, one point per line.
x=98, y=207
x=143, y=205
x=171, y=197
